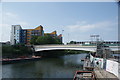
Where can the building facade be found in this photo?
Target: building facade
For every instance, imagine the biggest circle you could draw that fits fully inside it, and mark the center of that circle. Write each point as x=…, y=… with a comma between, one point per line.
x=93, y=43
x=15, y=34
x=60, y=37
x=33, y=32
x=54, y=35
x=19, y=35
x=23, y=36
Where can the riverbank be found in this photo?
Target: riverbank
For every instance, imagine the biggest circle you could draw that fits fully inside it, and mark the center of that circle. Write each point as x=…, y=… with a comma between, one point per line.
x=16, y=60
x=15, y=51
x=33, y=58
x=18, y=51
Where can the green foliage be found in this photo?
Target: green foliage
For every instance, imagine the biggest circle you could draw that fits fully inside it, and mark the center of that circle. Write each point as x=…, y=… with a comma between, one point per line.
x=72, y=42
x=41, y=40
x=33, y=40
x=9, y=51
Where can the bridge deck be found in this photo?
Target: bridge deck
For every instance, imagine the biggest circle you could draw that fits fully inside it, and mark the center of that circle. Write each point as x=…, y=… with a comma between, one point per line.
x=71, y=47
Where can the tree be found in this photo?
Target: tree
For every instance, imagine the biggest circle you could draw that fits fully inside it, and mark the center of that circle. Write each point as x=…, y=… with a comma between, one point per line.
x=72, y=42
x=40, y=40
x=33, y=40
x=47, y=39
x=13, y=51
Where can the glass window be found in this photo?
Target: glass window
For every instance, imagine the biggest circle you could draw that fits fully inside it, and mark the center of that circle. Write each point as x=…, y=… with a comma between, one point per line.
x=28, y=31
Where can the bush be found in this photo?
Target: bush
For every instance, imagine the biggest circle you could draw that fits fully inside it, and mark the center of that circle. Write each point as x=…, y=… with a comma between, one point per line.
x=41, y=40
x=9, y=51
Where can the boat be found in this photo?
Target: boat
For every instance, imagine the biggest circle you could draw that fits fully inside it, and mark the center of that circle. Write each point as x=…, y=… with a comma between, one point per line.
x=20, y=59
x=84, y=75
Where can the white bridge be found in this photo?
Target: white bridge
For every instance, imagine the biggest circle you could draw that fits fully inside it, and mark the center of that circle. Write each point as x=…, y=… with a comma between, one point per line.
x=70, y=47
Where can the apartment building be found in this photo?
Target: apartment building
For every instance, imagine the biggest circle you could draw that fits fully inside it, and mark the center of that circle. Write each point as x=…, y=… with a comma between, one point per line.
x=54, y=34
x=38, y=31
x=19, y=35
x=15, y=34
x=23, y=36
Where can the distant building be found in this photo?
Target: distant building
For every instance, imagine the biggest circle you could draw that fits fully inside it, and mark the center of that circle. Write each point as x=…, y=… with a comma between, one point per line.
x=19, y=35
x=23, y=36
x=33, y=32
x=93, y=43
x=5, y=43
x=60, y=37
x=15, y=34
x=54, y=35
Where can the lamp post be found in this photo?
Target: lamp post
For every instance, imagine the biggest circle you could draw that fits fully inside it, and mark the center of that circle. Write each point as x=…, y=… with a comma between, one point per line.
x=68, y=37
x=62, y=34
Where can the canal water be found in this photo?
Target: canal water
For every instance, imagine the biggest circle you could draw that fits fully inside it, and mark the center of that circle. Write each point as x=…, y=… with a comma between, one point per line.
x=59, y=67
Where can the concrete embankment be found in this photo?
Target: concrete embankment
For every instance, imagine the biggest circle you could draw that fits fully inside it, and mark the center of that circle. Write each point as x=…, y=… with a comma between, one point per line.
x=102, y=74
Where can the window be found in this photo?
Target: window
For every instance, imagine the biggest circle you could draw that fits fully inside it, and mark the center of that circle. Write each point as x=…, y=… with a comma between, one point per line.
x=14, y=29
x=28, y=36
x=28, y=31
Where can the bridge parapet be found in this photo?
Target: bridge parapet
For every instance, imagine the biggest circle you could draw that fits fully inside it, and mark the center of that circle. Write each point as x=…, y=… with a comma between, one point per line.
x=71, y=47
x=62, y=46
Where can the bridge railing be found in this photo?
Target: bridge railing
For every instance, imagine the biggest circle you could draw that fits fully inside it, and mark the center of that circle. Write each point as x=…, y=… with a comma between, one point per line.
x=62, y=46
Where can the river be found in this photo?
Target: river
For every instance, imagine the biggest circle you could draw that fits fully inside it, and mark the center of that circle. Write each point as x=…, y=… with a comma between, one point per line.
x=59, y=67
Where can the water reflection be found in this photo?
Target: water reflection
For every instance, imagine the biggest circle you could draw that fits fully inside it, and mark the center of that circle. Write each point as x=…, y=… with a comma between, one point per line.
x=62, y=67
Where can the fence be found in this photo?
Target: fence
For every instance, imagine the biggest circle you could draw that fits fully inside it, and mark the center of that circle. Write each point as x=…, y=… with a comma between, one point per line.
x=113, y=67
x=108, y=65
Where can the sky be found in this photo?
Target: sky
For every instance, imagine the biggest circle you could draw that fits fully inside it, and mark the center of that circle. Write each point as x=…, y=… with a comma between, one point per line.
x=79, y=20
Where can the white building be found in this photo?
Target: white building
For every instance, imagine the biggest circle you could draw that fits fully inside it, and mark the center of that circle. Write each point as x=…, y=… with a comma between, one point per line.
x=15, y=34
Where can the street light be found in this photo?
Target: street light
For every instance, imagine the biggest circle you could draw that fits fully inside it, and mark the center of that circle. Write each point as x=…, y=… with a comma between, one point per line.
x=62, y=34
x=68, y=37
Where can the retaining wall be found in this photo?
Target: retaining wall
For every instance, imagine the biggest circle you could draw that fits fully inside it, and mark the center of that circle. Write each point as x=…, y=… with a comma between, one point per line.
x=113, y=67
x=109, y=65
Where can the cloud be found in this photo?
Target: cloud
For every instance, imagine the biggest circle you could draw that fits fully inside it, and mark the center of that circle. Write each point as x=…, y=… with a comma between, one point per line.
x=5, y=35
x=13, y=18
x=108, y=30
x=8, y=14
x=81, y=27
x=9, y=19
x=84, y=26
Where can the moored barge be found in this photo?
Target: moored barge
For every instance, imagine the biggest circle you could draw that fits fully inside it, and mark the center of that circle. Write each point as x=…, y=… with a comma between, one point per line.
x=84, y=75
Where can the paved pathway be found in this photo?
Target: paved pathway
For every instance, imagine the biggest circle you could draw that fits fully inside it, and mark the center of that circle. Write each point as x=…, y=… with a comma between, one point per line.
x=100, y=73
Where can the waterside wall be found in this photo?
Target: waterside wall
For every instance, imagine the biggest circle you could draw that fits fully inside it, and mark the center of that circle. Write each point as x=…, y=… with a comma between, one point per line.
x=108, y=65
